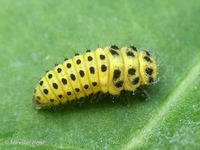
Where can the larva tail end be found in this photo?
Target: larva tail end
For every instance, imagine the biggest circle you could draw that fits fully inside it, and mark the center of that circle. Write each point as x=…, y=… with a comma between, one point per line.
x=36, y=105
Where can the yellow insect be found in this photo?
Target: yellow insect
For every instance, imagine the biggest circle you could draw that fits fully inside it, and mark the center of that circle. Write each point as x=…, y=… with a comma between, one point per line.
x=109, y=70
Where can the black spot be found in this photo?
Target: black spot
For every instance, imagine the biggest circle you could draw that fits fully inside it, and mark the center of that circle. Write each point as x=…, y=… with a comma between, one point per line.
x=136, y=80
x=59, y=70
x=37, y=102
x=119, y=84
x=76, y=54
x=114, y=47
x=147, y=59
x=133, y=47
x=73, y=77
x=45, y=91
x=90, y=58
x=147, y=53
x=50, y=76
x=91, y=94
x=52, y=100
x=129, y=53
x=94, y=83
x=41, y=83
x=131, y=71
x=86, y=86
x=88, y=50
x=151, y=79
x=92, y=70
x=113, y=52
x=81, y=98
x=47, y=71
x=98, y=93
x=38, y=98
x=81, y=72
x=64, y=81
x=149, y=71
x=116, y=74
x=103, y=68
x=60, y=96
x=77, y=90
x=65, y=59
x=78, y=61
x=55, y=86
x=102, y=57
x=69, y=93
x=68, y=65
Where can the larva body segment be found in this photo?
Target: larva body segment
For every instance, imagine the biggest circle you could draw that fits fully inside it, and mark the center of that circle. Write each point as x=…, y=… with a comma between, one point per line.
x=103, y=67
x=109, y=70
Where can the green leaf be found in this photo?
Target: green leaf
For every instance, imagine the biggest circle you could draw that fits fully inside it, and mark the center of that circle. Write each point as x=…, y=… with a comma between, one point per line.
x=36, y=34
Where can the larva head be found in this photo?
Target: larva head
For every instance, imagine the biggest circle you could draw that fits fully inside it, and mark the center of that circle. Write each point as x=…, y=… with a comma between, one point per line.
x=147, y=68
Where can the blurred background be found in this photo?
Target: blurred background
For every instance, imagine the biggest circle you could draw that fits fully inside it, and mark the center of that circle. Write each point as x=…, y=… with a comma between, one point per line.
x=34, y=35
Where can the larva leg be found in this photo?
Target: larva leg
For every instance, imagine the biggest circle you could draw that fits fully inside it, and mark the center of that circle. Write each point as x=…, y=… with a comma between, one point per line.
x=96, y=97
x=143, y=92
x=125, y=98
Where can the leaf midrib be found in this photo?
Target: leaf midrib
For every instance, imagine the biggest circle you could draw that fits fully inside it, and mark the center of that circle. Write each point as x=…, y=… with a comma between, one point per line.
x=170, y=101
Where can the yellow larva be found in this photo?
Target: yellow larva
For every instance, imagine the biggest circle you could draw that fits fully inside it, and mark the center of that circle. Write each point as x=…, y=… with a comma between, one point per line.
x=109, y=70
